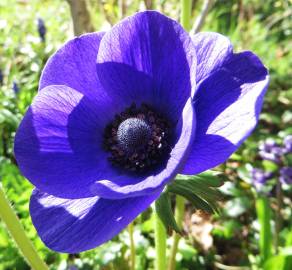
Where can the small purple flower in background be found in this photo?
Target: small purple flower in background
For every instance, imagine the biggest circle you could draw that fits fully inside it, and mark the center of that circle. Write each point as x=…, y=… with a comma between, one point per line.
x=1, y=77
x=287, y=144
x=270, y=150
x=260, y=177
x=15, y=87
x=42, y=30
x=286, y=175
x=72, y=267
x=119, y=114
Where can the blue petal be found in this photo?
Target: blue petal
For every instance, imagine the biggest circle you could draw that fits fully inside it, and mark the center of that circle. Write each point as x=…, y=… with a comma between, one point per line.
x=152, y=44
x=73, y=226
x=74, y=65
x=228, y=103
x=58, y=145
x=212, y=50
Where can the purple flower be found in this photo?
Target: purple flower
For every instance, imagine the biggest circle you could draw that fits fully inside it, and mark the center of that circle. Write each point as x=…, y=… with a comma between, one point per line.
x=270, y=150
x=286, y=175
x=119, y=114
x=260, y=177
x=42, y=30
x=15, y=87
x=288, y=144
x=1, y=77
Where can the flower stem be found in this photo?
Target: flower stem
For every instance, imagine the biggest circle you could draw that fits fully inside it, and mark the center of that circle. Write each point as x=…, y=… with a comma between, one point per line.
x=186, y=10
x=179, y=214
x=264, y=217
x=16, y=230
x=278, y=220
x=160, y=243
x=132, y=246
x=202, y=16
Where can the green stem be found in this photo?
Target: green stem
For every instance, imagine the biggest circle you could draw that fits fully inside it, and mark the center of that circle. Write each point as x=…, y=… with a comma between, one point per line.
x=160, y=243
x=179, y=214
x=17, y=232
x=264, y=217
x=132, y=246
x=186, y=10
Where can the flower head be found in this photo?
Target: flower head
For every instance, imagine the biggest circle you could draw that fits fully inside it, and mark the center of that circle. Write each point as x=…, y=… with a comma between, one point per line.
x=42, y=30
x=270, y=150
x=260, y=177
x=119, y=114
x=288, y=144
x=15, y=87
x=1, y=77
x=286, y=175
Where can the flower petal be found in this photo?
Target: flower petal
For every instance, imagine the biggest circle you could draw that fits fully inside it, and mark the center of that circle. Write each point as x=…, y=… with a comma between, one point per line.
x=74, y=226
x=149, y=44
x=212, y=51
x=74, y=65
x=58, y=145
x=227, y=104
x=59, y=148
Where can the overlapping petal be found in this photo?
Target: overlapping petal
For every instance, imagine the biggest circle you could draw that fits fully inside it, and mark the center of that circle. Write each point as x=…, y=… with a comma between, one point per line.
x=59, y=148
x=72, y=226
x=160, y=50
x=58, y=145
x=74, y=65
x=213, y=50
x=227, y=103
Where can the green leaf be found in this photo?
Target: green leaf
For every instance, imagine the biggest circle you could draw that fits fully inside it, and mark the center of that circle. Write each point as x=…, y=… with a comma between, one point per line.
x=210, y=178
x=200, y=190
x=180, y=189
x=165, y=213
x=8, y=117
x=278, y=262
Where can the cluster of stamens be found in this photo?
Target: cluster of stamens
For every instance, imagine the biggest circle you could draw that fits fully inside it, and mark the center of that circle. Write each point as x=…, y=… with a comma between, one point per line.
x=138, y=139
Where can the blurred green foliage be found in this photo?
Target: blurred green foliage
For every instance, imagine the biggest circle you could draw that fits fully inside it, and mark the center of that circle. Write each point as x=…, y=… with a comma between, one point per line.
x=262, y=26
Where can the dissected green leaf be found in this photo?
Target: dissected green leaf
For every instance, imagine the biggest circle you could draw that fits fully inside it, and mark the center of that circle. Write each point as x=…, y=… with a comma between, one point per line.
x=180, y=189
x=200, y=190
x=212, y=179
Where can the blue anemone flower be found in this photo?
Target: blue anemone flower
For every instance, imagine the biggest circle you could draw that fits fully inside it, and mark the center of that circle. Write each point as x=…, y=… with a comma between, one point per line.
x=119, y=114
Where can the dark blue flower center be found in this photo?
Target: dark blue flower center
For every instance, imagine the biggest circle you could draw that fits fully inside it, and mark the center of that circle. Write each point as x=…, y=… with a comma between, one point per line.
x=133, y=133
x=138, y=139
